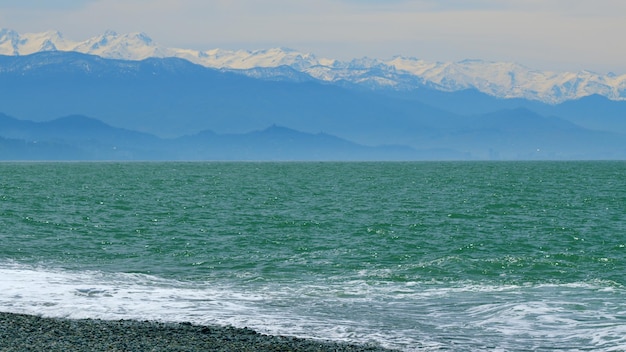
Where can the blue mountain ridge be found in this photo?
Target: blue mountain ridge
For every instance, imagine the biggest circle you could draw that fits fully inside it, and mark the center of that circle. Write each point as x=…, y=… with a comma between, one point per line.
x=160, y=107
x=82, y=138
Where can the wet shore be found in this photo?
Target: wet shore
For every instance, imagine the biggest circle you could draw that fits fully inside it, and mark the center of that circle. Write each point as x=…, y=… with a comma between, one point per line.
x=20, y=332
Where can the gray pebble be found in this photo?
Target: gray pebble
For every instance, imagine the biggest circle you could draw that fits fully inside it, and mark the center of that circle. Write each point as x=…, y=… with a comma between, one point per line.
x=20, y=333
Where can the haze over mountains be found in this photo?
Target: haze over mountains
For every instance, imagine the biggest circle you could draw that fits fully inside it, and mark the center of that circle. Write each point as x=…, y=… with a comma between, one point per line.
x=137, y=100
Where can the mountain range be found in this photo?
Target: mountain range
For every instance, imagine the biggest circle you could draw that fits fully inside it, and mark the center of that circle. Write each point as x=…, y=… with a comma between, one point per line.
x=79, y=137
x=498, y=79
x=60, y=103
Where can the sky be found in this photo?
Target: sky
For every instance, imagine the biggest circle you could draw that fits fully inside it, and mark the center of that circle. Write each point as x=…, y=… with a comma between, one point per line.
x=560, y=35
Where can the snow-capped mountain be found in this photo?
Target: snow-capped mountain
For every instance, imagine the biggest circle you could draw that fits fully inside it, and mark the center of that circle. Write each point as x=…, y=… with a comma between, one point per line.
x=133, y=46
x=510, y=80
x=503, y=80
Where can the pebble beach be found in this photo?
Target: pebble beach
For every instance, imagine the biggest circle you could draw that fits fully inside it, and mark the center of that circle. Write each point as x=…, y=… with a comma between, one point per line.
x=20, y=332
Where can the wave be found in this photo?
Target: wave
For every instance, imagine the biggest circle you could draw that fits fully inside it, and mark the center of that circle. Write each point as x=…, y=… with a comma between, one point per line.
x=407, y=316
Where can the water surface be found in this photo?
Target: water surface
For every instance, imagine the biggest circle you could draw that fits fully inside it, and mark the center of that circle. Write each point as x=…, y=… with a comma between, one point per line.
x=415, y=256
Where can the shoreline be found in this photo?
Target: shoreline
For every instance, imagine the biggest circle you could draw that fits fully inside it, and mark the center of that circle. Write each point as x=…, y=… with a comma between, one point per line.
x=21, y=332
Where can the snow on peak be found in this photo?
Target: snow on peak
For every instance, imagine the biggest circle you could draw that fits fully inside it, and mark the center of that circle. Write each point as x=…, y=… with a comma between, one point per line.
x=132, y=46
x=245, y=59
x=9, y=41
x=500, y=79
x=12, y=43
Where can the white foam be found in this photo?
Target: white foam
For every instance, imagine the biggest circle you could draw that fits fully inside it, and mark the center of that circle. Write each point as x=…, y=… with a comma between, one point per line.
x=113, y=296
x=56, y=293
x=408, y=316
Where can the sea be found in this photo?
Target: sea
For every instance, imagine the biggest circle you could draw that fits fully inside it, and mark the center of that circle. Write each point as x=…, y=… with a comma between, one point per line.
x=415, y=256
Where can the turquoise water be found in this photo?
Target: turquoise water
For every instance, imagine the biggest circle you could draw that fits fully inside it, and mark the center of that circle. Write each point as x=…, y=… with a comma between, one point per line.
x=414, y=256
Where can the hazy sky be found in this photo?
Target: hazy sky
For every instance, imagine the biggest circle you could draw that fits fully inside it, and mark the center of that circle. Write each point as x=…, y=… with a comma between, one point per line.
x=543, y=34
